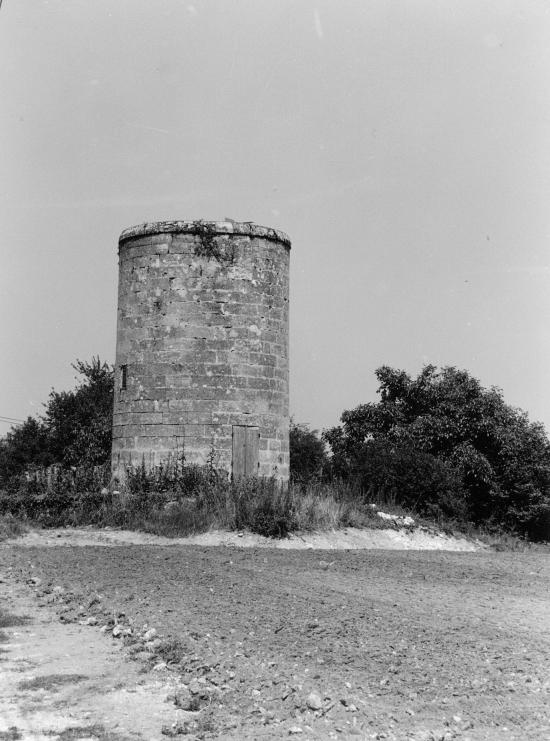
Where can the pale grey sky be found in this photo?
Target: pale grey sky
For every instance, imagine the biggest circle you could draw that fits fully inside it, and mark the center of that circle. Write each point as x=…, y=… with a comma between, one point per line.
x=403, y=145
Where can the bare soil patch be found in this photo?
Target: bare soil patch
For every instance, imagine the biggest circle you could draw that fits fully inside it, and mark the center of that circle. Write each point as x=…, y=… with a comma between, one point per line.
x=66, y=682
x=275, y=643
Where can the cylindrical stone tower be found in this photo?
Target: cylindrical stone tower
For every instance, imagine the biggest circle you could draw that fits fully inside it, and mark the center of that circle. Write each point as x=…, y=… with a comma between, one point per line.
x=202, y=347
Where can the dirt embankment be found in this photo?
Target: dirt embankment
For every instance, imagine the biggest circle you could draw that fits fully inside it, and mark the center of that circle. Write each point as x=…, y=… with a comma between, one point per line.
x=266, y=643
x=408, y=539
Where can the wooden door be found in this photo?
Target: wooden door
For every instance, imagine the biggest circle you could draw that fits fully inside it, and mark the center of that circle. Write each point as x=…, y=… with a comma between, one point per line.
x=246, y=446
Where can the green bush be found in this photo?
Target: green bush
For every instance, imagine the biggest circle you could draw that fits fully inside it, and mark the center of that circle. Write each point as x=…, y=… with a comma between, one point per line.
x=308, y=456
x=445, y=444
x=413, y=479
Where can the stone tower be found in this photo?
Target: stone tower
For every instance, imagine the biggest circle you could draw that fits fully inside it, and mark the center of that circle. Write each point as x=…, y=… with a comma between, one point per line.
x=202, y=347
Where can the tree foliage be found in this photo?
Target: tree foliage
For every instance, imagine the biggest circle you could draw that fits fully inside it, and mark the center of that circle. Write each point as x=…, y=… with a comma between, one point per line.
x=79, y=422
x=308, y=456
x=24, y=446
x=74, y=430
x=491, y=462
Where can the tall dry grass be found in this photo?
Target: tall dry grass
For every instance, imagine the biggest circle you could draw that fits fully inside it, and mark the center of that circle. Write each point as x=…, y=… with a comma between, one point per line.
x=180, y=500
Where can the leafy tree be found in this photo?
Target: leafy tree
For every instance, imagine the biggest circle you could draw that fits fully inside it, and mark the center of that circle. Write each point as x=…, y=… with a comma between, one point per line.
x=308, y=456
x=74, y=430
x=24, y=446
x=79, y=422
x=500, y=460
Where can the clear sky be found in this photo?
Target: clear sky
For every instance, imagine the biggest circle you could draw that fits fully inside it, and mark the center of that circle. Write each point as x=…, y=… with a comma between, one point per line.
x=404, y=145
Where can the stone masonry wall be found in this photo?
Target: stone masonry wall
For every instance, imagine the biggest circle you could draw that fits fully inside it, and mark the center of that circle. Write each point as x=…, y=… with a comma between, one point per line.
x=203, y=335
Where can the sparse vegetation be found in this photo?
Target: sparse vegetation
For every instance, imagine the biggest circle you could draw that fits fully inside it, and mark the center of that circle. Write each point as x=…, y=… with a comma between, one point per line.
x=50, y=682
x=95, y=731
x=7, y=620
x=212, y=245
x=181, y=500
x=11, y=527
x=171, y=650
x=12, y=734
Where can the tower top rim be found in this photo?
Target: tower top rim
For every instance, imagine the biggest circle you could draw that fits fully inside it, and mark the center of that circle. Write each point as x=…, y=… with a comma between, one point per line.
x=203, y=227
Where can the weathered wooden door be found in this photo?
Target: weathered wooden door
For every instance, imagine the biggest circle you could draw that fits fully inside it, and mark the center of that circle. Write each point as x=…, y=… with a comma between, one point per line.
x=246, y=446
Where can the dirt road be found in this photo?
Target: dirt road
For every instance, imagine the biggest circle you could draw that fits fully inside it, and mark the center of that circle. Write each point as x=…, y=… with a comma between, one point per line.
x=275, y=643
x=58, y=679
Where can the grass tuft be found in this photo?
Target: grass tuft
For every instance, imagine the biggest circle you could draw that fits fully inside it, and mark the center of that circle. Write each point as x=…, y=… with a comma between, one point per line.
x=172, y=651
x=12, y=734
x=51, y=681
x=7, y=620
x=96, y=732
x=11, y=527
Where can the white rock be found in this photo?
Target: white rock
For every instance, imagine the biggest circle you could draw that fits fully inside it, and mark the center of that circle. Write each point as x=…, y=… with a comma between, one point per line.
x=326, y=564
x=195, y=688
x=397, y=519
x=150, y=634
x=120, y=630
x=314, y=702
x=153, y=645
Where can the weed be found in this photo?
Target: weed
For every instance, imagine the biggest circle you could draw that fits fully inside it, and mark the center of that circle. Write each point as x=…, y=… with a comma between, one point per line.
x=131, y=641
x=11, y=621
x=211, y=244
x=96, y=732
x=194, y=704
x=206, y=725
x=11, y=527
x=50, y=682
x=506, y=542
x=12, y=734
x=171, y=650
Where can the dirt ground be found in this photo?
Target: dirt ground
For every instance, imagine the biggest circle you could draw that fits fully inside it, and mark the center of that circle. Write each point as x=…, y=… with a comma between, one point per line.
x=257, y=643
